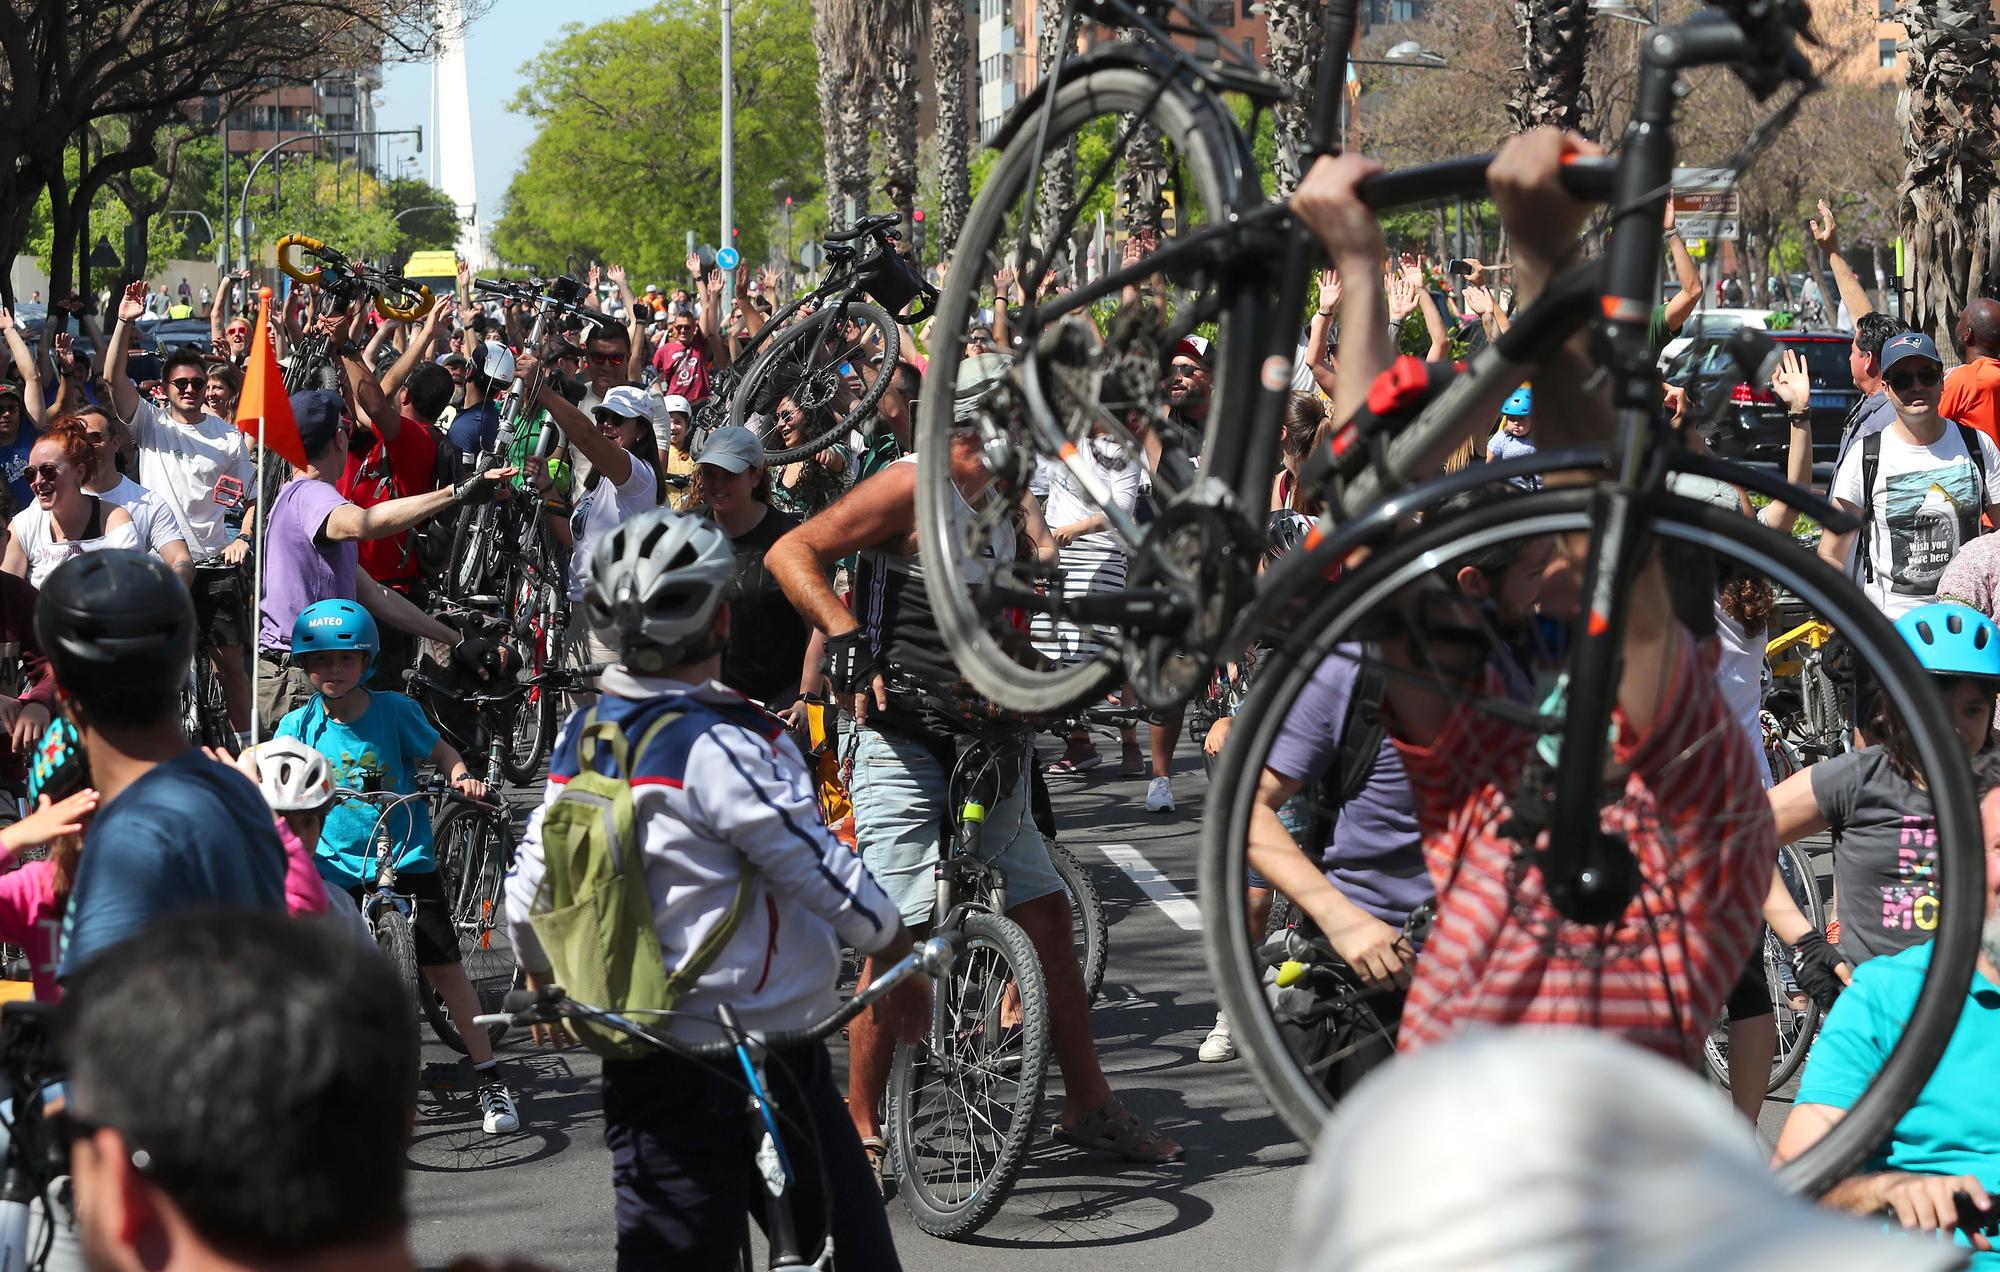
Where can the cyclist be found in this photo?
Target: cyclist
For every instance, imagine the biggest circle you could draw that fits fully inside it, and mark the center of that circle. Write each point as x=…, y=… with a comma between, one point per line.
x=1515, y=438
x=899, y=783
x=175, y=830
x=720, y=789
x=374, y=740
x=677, y=456
x=202, y=468
x=33, y=894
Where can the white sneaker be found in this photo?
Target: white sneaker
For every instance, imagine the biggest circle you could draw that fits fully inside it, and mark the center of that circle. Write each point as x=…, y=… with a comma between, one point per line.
x=1218, y=1046
x=1160, y=796
x=496, y=1102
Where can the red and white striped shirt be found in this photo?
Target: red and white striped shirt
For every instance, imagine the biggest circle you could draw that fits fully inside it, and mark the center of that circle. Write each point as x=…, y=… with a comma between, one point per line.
x=1700, y=827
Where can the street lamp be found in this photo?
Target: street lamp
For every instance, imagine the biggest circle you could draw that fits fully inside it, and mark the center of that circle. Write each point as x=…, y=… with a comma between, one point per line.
x=1410, y=55
x=1625, y=11
x=243, y=205
x=428, y=207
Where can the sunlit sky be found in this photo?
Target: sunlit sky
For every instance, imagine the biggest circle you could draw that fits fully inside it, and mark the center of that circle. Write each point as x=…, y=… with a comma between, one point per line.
x=507, y=36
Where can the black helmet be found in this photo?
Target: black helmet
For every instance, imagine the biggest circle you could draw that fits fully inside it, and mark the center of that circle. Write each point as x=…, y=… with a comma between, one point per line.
x=113, y=617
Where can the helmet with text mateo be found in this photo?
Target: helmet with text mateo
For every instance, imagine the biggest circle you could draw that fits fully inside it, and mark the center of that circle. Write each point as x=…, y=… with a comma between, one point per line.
x=327, y=626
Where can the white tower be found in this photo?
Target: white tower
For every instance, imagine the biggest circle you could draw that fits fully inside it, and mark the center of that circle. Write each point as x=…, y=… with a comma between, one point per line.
x=453, y=139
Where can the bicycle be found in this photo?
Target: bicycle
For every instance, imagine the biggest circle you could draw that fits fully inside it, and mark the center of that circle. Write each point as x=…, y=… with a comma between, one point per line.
x=344, y=282
x=36, y=1163
x=1311, y=985
x=389, y=913
x=819, y=340
x=1808, y=724
x=1240, y=263
x=1798, y=1016
x=204, y=707
x=744, y=1051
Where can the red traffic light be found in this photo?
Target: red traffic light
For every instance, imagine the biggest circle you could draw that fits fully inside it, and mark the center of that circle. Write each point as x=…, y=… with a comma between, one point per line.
x=918, y=216
x=788, y=200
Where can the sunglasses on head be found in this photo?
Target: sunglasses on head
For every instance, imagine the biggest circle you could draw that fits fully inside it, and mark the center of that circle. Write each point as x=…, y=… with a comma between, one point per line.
x=1903, y=379
x=189, y=381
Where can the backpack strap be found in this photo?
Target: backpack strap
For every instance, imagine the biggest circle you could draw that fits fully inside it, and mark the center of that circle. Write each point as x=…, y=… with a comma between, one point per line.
x=1970, y=436
x=1871, y=462
x=1362, y=730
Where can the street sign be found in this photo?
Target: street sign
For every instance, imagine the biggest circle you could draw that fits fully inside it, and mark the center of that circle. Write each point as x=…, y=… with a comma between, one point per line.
x=811, y=255
x=728, y=258
x=1706, y=204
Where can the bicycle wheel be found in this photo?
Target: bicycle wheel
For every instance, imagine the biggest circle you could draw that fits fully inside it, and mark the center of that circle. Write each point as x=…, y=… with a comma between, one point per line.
x=535, y=598
x=1404, y=597
x=963, y=1103
x=1096, y=388
x=1797, y=1015
x=817, y=362
x=1088, y=926
x=472, y=556
x=392, y=937
x=475, y=847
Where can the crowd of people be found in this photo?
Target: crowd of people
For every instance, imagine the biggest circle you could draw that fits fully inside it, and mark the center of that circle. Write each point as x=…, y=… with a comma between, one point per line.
x=730, y=598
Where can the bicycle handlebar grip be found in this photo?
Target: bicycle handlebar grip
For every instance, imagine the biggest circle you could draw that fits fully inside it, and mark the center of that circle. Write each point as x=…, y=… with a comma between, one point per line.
x=1587, y=177
x=424, y=301
x=292, y=271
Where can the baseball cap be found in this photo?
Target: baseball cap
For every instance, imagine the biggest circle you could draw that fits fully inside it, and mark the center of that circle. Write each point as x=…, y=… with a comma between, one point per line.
x=1910, y=344
x=977, y=377
x=630, y=401
x=317, y=412
x=452, y=359
x=652, y=288
x=675, y=404
x=735, y=449
x=9, y=389
x=1195, y=347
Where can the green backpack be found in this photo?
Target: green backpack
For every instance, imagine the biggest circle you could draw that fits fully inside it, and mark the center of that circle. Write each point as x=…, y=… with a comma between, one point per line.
x=593, y=912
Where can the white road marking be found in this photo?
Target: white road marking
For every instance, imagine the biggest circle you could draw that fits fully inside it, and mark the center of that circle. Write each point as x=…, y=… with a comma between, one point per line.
x=1157, y=887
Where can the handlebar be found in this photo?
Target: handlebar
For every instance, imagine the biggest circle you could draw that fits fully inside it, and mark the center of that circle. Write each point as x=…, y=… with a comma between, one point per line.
x=310, y=244
x=550, y=1004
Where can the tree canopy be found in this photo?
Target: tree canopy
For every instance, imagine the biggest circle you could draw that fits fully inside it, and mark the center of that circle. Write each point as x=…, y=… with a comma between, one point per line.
x=629, y=156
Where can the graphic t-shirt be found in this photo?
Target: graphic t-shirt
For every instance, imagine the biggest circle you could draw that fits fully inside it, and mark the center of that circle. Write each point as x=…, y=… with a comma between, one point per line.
x=14, y=465
x=1885, y=867
x=379, y=751
x=1924, y=507
x=685, y=368
x=189, y=833
x=600, y=508
x=299, y=568
x=767, y=645
x=406, y=465
x=202, y=471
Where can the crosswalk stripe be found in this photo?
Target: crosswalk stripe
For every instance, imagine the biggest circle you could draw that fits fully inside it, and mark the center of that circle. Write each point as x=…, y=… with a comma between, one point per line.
x=1158, y=888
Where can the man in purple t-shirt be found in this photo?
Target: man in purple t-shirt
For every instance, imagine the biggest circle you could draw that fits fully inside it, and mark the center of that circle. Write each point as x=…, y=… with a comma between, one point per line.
x=312, y=551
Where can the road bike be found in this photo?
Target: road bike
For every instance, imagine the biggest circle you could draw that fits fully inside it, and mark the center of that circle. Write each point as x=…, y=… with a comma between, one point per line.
x=343, y=283
x=819, y=342
x=1236, y=270
x=744, y=1051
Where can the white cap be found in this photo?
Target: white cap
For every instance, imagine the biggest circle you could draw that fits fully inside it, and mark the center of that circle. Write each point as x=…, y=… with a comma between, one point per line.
x=630, y=401
x=675, y=404
x=1561, y=1149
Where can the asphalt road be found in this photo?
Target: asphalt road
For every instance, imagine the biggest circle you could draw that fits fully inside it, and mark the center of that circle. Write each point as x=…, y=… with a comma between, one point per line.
x=545, y=1193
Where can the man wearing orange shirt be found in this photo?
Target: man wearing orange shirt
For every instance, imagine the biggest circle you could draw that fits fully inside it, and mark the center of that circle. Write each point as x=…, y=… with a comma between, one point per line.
x=1972, y=391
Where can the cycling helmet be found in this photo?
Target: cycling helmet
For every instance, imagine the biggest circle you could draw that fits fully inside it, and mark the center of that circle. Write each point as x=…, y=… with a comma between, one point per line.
x=654, y=584
x=1519, y=403
x=293, y=777
x=59, y=767
x=327, y=625
x=1953, y=640
x=493, y=361
x=115, y=619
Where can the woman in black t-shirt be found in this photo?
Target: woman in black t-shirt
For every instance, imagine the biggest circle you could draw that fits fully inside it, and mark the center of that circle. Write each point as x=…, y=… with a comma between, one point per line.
x=765, y=656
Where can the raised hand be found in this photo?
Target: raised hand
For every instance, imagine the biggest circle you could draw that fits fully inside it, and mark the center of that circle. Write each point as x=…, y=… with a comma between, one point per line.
x=1667, y=221
x=1003, y=282
x=593, y=276
x=616, y=273
x=1402, y=297
x=64, y=352
x=1329, y=291
x=133, y=306
x=1791, y=383
x=1824, y=231
x=1327, y=203
x=1478, y=299
x=6, y=319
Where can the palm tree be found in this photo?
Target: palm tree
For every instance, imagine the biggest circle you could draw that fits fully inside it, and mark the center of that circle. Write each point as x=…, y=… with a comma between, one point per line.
x=840, y=32
x=894, y=38
x=951, y=51
x=1949, y=202
x=1552, y=91
x=1058, y=176
x=1297, y=31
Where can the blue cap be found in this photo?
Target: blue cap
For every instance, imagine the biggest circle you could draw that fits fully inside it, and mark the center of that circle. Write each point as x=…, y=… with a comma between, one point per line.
x=1910, y=344
x=1952, y=640
x=317, y=412
x=1519, y=403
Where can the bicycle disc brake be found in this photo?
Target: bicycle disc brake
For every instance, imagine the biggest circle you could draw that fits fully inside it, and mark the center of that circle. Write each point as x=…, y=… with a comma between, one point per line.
x=1193, y=550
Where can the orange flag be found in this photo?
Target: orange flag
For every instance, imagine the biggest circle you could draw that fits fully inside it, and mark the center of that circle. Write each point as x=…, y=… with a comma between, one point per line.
x=264, y=400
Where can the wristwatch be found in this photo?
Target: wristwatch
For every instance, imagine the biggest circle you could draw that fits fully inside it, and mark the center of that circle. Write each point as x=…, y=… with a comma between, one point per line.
x=347, y=349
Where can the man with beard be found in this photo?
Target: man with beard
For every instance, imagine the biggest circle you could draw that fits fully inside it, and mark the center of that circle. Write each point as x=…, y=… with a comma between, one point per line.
x=1948, y=1144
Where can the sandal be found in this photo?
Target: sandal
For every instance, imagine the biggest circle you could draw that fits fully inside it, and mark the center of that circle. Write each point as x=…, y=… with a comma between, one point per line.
x=1118, y=1131
x=1077, y=762
x=878, y=1160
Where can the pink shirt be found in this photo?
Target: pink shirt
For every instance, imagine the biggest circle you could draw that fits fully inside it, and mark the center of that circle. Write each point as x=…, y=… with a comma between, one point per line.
x=28, y=919
x=304, y=891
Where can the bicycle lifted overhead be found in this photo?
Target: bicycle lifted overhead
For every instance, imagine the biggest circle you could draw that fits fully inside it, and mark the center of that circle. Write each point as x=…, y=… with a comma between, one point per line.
x=344, y=283
x=1237, y=270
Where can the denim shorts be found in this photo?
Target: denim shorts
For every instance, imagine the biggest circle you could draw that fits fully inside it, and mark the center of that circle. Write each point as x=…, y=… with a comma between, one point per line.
x=898, y=790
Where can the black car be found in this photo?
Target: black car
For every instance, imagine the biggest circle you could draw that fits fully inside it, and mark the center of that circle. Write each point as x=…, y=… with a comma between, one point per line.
x=1760, y=432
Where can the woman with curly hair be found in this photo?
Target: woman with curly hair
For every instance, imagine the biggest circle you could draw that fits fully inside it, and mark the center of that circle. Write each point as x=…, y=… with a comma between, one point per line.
x=65, y=520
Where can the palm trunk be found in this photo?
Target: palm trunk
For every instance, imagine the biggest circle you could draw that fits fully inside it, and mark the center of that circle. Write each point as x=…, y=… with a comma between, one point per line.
x=897, y=86
x=1949, y=202
x=1058, y=176
x=949, y=47
x=1552, y=92
x=1297, y=32
x=829, y=115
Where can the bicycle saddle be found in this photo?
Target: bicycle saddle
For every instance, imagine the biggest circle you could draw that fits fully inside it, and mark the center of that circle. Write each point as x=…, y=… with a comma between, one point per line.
x=865, y=226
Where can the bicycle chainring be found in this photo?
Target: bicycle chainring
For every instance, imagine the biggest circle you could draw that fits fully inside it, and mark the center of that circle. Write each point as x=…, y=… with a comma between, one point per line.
x=1196, y=550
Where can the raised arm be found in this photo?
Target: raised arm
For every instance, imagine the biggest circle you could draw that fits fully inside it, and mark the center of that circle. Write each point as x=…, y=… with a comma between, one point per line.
x=1328, y=205
x=416, y=348
x=1827, y=235
x=1793, y=386
x=371, y=404
x=124, y=394
x=1683, y=301
x=605, y=455
x=218, y=313
x=26, y=363
x=1440, y=347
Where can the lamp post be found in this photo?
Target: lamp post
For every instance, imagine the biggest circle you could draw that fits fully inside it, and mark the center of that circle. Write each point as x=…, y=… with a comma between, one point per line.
x=728, y=139
x=243, y=205
x=1408, y=54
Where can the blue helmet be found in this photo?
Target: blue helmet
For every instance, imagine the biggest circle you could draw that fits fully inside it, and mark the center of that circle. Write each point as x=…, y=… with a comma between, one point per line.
x=1519, y=403
x=329, y=625
x=1953, y=640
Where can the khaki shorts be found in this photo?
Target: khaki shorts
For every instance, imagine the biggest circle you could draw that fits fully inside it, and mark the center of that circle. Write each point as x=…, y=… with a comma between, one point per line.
x=282, y=688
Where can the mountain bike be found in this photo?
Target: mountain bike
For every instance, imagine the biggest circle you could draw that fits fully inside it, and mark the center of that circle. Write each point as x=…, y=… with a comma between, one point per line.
x=745, y=1051
x=344, y=283
x=1237, y=269
x=819, y=342
x=1810, y=722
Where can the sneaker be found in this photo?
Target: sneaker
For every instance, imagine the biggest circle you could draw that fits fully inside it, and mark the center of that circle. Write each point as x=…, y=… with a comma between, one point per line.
x=1218, y=1046
x=1160, y=796
x=496, y=1103
x=1134, y=763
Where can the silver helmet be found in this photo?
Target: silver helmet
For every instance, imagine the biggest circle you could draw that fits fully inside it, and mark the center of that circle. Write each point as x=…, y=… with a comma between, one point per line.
x=654, y=584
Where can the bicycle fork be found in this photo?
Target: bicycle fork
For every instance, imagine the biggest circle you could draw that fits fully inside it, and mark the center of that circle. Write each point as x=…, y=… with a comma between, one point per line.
x=774, y=1165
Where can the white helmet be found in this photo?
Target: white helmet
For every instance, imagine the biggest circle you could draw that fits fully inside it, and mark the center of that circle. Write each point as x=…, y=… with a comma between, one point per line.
x=494, y=361
x=293, y=777
x=654, y=584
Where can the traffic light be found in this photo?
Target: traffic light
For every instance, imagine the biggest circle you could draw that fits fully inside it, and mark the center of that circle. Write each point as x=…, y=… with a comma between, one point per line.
x=735, y=232
x=917, y=233
x=788, y=200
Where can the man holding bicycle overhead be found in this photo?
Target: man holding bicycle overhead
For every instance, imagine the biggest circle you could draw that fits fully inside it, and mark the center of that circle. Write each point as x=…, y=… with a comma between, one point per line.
x=1692, y=808
x=724, y=812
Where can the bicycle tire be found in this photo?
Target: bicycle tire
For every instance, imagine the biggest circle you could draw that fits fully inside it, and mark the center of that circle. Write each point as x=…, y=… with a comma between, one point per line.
x=531, y=716
x=1088, y=926
x=924, y=1084
x=1299, y=651
x=471, y=560
x=475, y=847
x=965, y=620
x=778, y=368
x=393, y=938
x=1795, y=1028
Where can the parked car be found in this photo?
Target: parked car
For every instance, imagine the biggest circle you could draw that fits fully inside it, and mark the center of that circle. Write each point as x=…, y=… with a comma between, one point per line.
x=1704, y=322
x=169, y=334
x=1760, y=432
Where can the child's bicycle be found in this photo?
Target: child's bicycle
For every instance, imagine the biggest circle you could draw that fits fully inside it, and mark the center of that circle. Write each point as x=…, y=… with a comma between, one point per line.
x=745, y=1051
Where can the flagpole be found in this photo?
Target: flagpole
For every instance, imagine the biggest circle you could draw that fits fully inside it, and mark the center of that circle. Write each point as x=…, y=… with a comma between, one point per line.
x=257, y=563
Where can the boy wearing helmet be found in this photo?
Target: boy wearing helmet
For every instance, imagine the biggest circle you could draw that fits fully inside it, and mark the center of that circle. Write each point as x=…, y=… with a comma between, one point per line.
x=375, y=740
x=719, y=791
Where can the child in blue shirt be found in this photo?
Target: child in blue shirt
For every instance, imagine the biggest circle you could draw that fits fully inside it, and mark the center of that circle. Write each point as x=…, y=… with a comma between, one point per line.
x=374, y=740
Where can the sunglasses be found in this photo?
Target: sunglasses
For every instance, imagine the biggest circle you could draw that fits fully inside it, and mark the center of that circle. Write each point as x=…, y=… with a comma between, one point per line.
x=607, y=359
x=612, y=417
x=1927, y=375
x=39, y=473
x=787, y=416
x=189, y=382
x=236, y=332
x=1186, y=370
